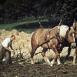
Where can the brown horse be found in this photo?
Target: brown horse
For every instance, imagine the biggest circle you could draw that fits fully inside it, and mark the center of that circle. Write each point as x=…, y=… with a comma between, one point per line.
x=75, y=29
x=51, y=39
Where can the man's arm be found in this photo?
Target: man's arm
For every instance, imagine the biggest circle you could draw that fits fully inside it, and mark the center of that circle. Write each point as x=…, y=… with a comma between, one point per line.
x=11, y=47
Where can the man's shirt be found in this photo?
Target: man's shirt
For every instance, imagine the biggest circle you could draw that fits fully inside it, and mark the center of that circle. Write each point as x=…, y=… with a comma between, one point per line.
x=6, y=43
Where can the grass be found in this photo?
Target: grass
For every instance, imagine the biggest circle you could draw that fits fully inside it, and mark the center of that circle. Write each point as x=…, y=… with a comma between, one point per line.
x=19, y=25
x=12, y=25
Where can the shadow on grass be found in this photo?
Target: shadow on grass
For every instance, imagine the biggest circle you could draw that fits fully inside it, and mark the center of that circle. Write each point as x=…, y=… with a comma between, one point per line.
x=30, y=27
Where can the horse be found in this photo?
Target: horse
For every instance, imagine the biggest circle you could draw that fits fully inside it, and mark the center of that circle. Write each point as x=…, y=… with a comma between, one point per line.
x=75, y=29
x=51, y=39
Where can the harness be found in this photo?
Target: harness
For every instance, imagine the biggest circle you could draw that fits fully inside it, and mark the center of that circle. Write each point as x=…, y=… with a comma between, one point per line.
x=57, y=36
x=48, y=38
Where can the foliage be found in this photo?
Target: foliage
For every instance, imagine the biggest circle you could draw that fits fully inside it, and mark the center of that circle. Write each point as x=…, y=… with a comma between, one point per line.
x=13, y=10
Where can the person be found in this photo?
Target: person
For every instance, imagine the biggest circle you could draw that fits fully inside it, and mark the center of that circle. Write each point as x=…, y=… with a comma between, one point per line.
x=5, y=53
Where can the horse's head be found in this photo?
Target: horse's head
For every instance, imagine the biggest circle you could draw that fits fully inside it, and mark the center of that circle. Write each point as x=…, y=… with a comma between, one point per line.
x=70, y=35
x=75, y=27
x=67, y=33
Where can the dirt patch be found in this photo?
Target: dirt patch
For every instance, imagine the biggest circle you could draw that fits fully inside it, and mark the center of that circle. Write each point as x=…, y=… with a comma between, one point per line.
x=37, y=70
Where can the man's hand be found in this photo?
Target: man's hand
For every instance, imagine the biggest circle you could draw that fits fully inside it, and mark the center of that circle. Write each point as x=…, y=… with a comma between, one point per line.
x=7, y=49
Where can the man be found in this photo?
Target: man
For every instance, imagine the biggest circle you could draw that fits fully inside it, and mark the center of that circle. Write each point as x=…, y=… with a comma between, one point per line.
x=5, y=53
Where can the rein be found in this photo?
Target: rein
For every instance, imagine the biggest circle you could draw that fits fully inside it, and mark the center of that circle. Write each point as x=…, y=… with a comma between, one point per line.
x=47, y=40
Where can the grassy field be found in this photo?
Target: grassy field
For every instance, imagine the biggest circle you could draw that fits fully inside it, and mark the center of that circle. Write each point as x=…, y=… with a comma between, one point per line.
x=24, y=25
x=21, y=22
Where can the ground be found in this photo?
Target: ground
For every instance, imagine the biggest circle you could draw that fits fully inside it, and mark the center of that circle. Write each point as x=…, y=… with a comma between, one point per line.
x=21, y=68
x=38, y=70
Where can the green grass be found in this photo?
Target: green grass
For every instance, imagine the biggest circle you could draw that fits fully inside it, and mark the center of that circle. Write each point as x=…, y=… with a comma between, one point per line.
x=21, y=22
x=12, y=25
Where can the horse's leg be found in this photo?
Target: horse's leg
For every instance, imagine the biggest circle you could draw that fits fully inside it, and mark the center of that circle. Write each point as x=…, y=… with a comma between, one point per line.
x=69, y=50
x=45, y=58
x=75, y=54
x=32, y=54
x=57, y=56
x=58, y=59
x=74, y=57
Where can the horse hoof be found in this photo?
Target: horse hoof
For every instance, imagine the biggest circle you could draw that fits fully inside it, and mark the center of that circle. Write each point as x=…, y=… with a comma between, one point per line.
x=4, y=60
x=74, y=64
x=32, y=62
x=51, y=65
x=59, y=64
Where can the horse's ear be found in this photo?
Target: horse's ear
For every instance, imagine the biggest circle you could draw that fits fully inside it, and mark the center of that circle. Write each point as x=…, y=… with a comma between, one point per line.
x=74, y=23
x=60, y=22
x=40, y=24
x=71, y=28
